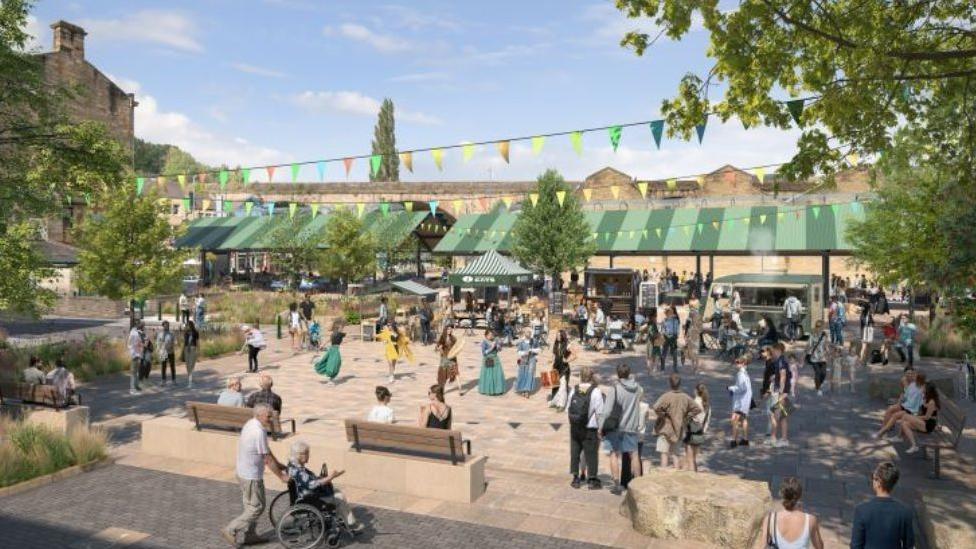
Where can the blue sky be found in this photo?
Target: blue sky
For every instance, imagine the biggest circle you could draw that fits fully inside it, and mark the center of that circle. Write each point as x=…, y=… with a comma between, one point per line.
x=251, y=82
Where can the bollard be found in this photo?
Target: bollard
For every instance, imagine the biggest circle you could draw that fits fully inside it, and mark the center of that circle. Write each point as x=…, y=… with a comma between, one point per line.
x=159, y=310
x=278, y=321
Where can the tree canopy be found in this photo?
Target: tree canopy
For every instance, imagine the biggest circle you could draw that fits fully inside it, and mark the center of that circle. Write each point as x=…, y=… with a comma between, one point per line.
x=384, y=143
x=552, y=237
x=352, y=250
x=46, y=160
x=298, y=249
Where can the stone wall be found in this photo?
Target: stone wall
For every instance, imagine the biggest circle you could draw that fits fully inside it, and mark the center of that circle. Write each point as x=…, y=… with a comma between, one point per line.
x=88, y=307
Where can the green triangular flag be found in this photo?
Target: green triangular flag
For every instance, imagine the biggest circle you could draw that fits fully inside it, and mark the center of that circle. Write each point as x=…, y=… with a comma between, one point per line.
x=657, y=130
x=271, y=206
x=795, y=107
x=615, y=132
x=745, y=125
x=699, y=228
x=223, y=176
x=408, y=206
x=245, y=175
x=247, y=207
x=384, y=206
x=816, y=212
x=292, y=208
x=140, y=183
x=315, y=209
x=374, y=163
x=576, y=138
x=228, y=206
x=700, y=130
x=186, y=205
x=295, y=168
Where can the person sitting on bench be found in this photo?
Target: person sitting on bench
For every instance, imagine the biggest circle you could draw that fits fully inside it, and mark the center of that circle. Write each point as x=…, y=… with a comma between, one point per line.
x=33, y=373
x=308, y=485
x=63, y=380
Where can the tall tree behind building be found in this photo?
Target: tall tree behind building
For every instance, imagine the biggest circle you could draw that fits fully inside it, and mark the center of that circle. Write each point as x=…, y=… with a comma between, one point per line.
x=384, y=143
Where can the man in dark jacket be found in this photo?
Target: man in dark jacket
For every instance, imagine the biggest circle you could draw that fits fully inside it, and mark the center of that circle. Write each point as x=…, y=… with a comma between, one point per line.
x=883, y=522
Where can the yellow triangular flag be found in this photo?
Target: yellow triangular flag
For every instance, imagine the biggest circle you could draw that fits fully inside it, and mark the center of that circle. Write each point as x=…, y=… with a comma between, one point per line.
x=438, y=155
x=715, y=224
x=315, y=209
x=658, y=232
x=467, y=151
x=745, y=220
x=672, y=184
x=631, y=235
x=615, y=191
x=779, y=216
x=762, y=219
x=359, y=209
x=701, y=181
x=407, y=159
x=408, y=206
x=760, y=173
x=642, y=187
x=457, y=206
x=560, y=197
x=161, y=181
x=292, y=208
x=205, y=205
x=587, y=194
x=503, y=150
x=686, y=228
x=537, y=144
x=508, y=202
x=182, y=179
x=854, y=159
x=534, y=197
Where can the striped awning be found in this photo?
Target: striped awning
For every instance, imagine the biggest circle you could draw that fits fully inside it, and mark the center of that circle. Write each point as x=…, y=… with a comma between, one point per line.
x=253, y=233
x=411, y=287
x=491, y=269
x=783, y=229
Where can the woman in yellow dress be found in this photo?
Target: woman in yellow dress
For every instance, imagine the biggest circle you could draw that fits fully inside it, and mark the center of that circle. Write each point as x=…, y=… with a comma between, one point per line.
x=397, y=346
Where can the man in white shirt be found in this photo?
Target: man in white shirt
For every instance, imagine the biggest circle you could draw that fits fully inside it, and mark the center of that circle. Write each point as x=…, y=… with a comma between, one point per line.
x=253, y=455
x=33, y=374
x=135, y=355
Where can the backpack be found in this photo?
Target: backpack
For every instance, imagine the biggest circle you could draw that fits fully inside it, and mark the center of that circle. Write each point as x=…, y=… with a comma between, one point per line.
x=579, y=407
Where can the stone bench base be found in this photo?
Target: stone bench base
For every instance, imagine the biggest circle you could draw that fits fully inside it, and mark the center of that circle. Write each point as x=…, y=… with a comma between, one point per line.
x=948, y=518
x=436, y=479
x=64, y=420
x=723, y=510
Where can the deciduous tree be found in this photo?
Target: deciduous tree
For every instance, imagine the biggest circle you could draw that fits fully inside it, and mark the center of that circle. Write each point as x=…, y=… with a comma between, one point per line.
x=352, y=249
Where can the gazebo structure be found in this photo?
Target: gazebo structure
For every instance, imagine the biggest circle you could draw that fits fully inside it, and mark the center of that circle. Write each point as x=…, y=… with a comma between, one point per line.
x=490, y=271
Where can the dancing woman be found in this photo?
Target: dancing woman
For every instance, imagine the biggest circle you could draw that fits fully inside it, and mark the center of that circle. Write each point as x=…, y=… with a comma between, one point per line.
x=447, y=346
x=328, y=365
x=390, y=335
x=527, y=355
x=492, y=378
x=562, y=357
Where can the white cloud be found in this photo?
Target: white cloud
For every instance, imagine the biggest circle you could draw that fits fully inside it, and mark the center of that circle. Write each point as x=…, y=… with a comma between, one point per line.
x=416, y=20
x=354, y=103
x=175, y=128
x=166, y=28
x=383, y=43
x=39, y=35
x=421, y=77
x=256, y=70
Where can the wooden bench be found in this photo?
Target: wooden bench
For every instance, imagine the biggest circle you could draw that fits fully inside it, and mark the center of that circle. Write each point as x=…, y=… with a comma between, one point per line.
x=29, y=393
x=230, y=417
x=947, y=433
x=403, y=439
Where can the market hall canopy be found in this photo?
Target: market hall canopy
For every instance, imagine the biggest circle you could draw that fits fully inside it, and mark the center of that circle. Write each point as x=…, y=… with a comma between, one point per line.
x=737, y=230
x=253, y=233
x=491, y=269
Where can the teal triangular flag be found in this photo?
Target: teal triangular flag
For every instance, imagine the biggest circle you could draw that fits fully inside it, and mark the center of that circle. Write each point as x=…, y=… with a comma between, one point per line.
x=816, y=212
x=657, y=131
x=385, y=208
x=374, y=163
x=140, y=183
x=700, y=130
x=795, y=107
x=433, y=207
x=271, y=208
x=615, y=132
x=320, y=166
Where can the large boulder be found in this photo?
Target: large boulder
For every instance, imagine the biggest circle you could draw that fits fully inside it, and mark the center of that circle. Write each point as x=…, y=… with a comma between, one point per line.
x=948, y=518
x=722, y=510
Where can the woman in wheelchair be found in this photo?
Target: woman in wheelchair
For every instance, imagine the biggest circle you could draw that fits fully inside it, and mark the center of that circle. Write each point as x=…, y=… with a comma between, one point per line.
x=310, y=487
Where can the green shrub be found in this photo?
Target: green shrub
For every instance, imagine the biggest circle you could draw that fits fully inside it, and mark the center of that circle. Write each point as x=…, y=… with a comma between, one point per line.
x=88, y=446
x=220, y=342
x=943, y=340
x=28, y=450
x=86, y=359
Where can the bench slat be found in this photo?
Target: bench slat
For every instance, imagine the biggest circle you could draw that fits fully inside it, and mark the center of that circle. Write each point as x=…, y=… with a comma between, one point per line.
x=46, y=395
x=405, y=439
x=215, y=415
x=439, y=439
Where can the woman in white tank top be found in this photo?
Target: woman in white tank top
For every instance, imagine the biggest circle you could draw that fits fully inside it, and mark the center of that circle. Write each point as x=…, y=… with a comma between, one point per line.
x=792, y=528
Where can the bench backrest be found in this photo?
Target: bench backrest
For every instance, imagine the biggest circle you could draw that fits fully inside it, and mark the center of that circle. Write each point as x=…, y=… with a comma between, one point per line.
x=224, y=417
x=47, y=395
x=403, y=439
x=952, y=417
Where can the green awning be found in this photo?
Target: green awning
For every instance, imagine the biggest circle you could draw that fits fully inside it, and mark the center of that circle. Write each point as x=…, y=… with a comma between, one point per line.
x=491, y=269
x=253, y=233
x=734, y=230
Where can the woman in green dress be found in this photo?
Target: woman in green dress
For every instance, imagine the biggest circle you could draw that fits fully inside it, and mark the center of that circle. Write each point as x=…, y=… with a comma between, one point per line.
x=328, y=365
x=492, y=379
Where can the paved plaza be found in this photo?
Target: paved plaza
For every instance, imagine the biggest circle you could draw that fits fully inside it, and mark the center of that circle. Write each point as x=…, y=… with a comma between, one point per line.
x=525, y=441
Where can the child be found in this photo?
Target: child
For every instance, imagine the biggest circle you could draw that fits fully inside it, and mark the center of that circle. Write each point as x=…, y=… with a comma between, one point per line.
x=382, y=412
x=741, y=393
x=307, y=484
x=795, y=360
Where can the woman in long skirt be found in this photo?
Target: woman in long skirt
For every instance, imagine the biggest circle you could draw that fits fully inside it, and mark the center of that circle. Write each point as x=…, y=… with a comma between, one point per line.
x=191, y=342
x=527, y=356
x=492, y=378
x=448, y=369
x=331, y=361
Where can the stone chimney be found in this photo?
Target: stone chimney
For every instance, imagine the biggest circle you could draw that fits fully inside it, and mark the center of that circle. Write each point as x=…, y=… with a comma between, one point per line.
x=69, y=38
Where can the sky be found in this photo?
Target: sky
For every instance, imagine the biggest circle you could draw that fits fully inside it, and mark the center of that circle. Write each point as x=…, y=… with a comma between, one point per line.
x=254, y=82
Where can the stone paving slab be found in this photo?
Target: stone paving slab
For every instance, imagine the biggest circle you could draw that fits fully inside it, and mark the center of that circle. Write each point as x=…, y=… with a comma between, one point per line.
x=168, y=510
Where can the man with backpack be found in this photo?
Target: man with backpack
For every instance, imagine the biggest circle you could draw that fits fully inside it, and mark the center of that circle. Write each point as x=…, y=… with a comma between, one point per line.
x=585, y=407
x=619, y=423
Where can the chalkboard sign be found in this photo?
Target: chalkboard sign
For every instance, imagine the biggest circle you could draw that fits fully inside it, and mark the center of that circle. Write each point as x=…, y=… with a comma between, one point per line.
x=556, y=303
x=648, y=295
x=368, y=330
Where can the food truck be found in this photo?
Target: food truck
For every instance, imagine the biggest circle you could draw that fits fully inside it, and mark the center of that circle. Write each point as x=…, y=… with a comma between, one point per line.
x=764, y=294
x=614, y=289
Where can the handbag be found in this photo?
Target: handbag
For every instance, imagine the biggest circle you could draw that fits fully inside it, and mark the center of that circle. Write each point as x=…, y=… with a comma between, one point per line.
x=808, y=358
x=612, y=421
x=550, y=378
x=770, y=541
x=784, y=406
x=490, y=361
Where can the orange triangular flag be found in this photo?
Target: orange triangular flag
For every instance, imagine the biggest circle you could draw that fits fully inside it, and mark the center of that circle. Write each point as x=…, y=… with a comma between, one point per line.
x=270, y=170
x=348, y=162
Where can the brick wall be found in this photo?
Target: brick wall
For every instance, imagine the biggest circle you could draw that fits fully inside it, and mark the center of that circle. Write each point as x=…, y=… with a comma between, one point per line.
x=88, y=307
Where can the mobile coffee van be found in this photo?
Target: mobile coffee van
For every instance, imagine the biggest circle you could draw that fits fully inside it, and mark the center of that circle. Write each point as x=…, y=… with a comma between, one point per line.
x=764, y=295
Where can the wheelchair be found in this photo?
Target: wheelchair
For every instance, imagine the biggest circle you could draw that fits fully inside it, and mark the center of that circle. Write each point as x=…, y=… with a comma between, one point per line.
x=308, y=522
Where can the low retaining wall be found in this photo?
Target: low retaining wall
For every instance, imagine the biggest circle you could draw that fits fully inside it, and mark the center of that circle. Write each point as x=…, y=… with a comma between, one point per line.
x=88, y=307
x=177, y=438
x=63, y=421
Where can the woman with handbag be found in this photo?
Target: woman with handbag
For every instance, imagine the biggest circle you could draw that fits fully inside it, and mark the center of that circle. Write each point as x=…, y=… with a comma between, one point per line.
x=791, y=528
x=448, y=370
x=697, y=427
x=562, y=357
x=817, y=355
x=492, y=379
x=191, y=342
x=527, y=356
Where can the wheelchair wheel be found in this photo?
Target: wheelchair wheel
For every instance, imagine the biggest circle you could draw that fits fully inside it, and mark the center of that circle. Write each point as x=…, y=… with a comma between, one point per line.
x=278, y=506
x=334, y=539
x=301, y=527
